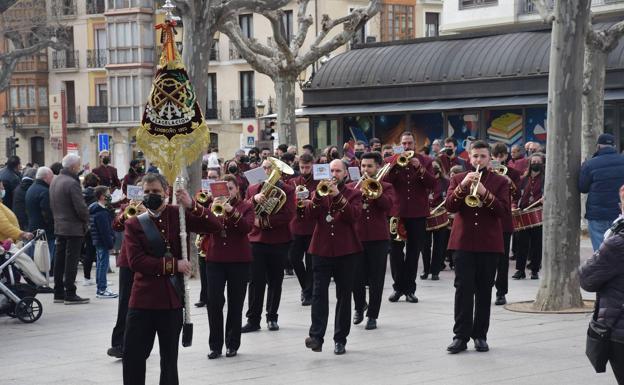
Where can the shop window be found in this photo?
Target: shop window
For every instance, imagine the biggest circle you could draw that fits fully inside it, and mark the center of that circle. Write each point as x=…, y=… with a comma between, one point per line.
x=461, y=127
x=535, y=124
x=357, y=128
x=324, y=133
x=504, y=126
x=427, y=128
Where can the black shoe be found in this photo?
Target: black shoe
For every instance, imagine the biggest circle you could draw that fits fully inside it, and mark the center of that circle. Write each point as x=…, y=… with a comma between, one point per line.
x=371, y=324
x=339, y=348
x=411, y=298
x=212, y=355
x=481, y=345
x=249, y=327
x=395, y=296
x=534, y=275
x=424, y=276
x=230, y=352
x=272, y=325
x=512, y=257
x=358, y=317
x=75, y=300
x=435, y=277
x=500, y=300
x=314, y=344
x=200, y=304
x=458, y=345
x=115, y=351
x=289, y=272
x=45, y=290
x=519, y=275
x=59, y=299
x=307, y=301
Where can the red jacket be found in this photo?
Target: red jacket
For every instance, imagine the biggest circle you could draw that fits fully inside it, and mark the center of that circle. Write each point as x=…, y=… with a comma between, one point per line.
x=337, y=237
x=514, y=194
x=373, y=223
x=108, y=176
x=152, y=288
x=118, y=225
x=412, y=186
x=532, y=190
x=300, y=225
x=478, y=229
x=448, y=162
x=438, y=193
x=521, y=164
x=235, y=246
x=274, y=228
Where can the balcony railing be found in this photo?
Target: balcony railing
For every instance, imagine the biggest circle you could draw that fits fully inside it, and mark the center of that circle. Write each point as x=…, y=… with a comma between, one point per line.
x=243, y=109
x=95, y=7
x=32, y=65
x=214, y=51
x=65, y=59
x=64, y=8
x=97, y=114
x=213, y=110
x=234, y=54
x=96, y=58
x=528, y=7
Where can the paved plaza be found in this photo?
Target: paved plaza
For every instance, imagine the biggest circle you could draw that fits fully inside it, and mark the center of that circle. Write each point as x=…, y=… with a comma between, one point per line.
x=68, y=346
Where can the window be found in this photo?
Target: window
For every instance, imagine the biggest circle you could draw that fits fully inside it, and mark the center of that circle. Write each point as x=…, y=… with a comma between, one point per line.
x=476, y=3
x=112, y=4
x=43, y=96
x=286, y=25
x=247, y=105
x=397, y=22
x=246, y=24
x=212, y=90
x=432, y=24
x=126, y=98
x=123, y=40
x=101, y=94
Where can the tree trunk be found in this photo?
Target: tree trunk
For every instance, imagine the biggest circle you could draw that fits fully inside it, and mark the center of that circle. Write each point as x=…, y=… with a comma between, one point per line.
x=285, y=99
x=593, y=98
x=559, y=288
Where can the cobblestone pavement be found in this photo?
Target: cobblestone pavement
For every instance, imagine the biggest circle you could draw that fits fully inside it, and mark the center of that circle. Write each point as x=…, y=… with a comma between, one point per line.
x=68, y=346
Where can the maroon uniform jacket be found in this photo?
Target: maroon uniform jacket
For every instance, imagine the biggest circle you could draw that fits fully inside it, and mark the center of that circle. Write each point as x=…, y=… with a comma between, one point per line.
x=108, y=176
x=514, y=195
x=478, y=229
x=152, y=288
x=447, y=162
x=373, y=223
x=532, y=190
x=438, y=193
x=274, y=228
x=337, y=237
x=232, y=243
x=300, y=225
x=129, y=179
x=411, y=186
x=521, y=164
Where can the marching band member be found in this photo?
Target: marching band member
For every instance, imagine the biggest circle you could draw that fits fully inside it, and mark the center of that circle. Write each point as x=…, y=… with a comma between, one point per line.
x=500, y=154
x=448, y=155
x=411, y=184
x=153, y=248
x=372, y=230
x=530, y=240
x=302, y=229
x=270, y=239
x=334, y=248
x=477, y=239
x=228, y=260
x=433, y=257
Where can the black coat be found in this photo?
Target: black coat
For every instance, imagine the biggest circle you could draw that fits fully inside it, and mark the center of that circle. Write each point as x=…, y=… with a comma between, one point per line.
x=38, y=208
x=10, y=179
x=19, y=202
x=604, y=273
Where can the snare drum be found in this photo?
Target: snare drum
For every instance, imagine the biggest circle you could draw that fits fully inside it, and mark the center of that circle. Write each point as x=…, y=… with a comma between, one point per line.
x=437, y=220
x=526, y=219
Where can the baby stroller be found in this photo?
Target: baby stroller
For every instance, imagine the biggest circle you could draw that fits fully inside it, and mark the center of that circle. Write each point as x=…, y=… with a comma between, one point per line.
x=17, y=300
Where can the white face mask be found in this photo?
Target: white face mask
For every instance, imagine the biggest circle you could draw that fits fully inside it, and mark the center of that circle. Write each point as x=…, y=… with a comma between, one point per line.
x=2, y=194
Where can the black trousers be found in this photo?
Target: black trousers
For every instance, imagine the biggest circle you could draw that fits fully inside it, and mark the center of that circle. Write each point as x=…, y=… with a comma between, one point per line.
x=235, y=275
x=67, y=253
x=88, y=256
x=298, y=248
x=141, y=328
x=126, y=277
x=529, y=245
x=502, y=269
x=405, y=266
x=616, y=359
x=203, y=297
x=474, y=278
x=267, y=270
x=343, y=271
x=434, y=250
x=370, y=270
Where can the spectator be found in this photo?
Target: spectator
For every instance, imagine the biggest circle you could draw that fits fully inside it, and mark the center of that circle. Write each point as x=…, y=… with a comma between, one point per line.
x=38, y=207
x=106, y=172
x=308, y=148
x=265, y=153
x=518, y=161
x=600, y=178
x=603, y=273
x=448, y=155
x=10, y=177
x=9, y=227
x=359, y=149
x=375, y=145
x=436, y=146
x=71, y=218
x=281, y=150
x=101, y=217
x=531, y=148
x=56, y=168
x=135, y=172
x=19, y=197
x=90, y=182
x=387, y=151
x=292, y=150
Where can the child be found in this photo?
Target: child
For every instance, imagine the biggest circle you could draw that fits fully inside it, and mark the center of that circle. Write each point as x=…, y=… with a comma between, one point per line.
x=102, y=236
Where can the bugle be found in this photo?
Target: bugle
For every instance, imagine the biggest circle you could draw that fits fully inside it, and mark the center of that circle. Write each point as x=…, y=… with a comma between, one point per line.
x=472, y=199
x=132, y=209
x=324, y=187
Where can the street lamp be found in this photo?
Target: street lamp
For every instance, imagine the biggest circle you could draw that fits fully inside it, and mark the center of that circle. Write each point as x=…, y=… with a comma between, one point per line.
x=260, y=108
x=13, y=120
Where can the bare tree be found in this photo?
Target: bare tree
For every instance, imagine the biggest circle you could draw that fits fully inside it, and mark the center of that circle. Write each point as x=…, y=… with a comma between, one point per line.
x=284, y=60
x=559, y=287
x=24, y=24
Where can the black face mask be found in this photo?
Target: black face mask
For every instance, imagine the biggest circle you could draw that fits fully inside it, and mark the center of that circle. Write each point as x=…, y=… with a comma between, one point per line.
x=335, y=155
x=139, y=170
x=387, y=154
x=448, y=151
x=233, y=169
x=153, y=201
x=106, y=160
x=536, y=167
x=358, y=154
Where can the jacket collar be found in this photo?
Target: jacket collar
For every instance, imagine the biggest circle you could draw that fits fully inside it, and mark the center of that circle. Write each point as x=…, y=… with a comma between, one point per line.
x=605, y=151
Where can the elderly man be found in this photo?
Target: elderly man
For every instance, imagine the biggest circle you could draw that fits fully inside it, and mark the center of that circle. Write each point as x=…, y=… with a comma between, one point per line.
x=71, y=219
x=518, y=161
x=38, y=206
x=106, y=172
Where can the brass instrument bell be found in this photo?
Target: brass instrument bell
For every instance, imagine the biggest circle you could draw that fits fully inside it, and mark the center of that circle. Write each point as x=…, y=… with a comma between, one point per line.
x=473, y=199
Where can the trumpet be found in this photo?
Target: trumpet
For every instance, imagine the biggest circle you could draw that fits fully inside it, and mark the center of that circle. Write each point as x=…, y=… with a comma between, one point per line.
x=132, y=209
x=499, y=168
x=473, y=200
x=404, y=158
x=218, y=208
x=302, y=193
x=323, y=187
x=371, y=187
x=201, y=197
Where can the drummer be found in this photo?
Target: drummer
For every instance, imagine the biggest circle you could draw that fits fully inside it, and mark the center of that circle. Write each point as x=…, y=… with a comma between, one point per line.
x=433, y=259
x=530, y=240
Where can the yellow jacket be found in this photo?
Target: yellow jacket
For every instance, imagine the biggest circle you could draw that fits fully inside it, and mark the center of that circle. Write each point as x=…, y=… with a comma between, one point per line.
x=9, y=227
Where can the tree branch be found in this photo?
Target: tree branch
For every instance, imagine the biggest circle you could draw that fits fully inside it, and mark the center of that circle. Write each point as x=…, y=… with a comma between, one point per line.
x=274, y=18
x=243, y=44
x=304, y=25
x=545, y=10
x=233, y=28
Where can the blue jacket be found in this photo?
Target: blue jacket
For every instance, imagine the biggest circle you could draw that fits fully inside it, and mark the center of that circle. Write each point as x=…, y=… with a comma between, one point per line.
x=100, y=225
x=38, y=208
x=601, y=178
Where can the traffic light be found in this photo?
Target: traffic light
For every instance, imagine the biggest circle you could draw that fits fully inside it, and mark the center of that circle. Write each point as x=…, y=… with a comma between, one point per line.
x=11, y=146
x=8, y=147
x=269, y=130
x=15, y=145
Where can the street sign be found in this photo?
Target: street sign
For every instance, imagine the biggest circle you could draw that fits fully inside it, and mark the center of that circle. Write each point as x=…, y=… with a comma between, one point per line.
x=103, y=142
x=72, y=148
x=56, y=115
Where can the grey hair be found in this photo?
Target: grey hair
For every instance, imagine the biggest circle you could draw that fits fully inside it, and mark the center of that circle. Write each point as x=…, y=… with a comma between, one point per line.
x=43, y=172
x=70, y=160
